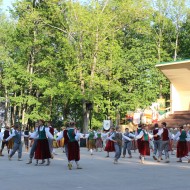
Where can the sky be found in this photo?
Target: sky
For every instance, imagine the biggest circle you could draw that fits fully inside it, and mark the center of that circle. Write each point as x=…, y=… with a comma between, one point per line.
x=6, y=4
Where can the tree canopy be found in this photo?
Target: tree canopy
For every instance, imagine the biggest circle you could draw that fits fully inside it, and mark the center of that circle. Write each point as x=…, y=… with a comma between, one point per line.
x=59, y=56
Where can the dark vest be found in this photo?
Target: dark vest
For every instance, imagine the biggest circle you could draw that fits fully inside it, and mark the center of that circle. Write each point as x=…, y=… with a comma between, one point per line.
x=42, y=134
x=155, y=131
x=183, y=136
x=6, y=134
x=71, y=135
x=65, y=136
x=118, y=138
x=17, y=137
x=26, y=132
x=145, y=136
x=127, y=135
x=51, y=130
x=165, y=135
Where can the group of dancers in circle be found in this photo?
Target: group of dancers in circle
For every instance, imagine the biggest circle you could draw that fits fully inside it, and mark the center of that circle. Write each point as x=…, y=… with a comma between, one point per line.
x=111, y=141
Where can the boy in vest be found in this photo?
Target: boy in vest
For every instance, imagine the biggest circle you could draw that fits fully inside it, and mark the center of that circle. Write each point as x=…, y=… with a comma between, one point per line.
x=182, y=148
x=16, y=135
x=157, y=142
x=165, y=138
x=98, y=137
x=91, y=141
x=127, y=143
x=117, y=137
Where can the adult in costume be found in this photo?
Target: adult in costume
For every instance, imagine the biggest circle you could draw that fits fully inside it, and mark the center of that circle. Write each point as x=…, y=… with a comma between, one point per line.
x=42, y=151
x=73, y=146
x=110, y=144
x=165, y=137
x=145, y=137
x=182, y=148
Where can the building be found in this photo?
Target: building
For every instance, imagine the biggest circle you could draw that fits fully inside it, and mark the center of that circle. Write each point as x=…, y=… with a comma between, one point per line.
x=178, y=73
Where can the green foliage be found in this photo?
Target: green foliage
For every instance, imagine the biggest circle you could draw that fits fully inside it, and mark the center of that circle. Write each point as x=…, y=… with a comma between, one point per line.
x=56, y=55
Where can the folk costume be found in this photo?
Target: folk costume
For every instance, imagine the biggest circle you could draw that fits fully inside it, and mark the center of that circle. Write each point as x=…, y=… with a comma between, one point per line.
x=50, y=141
x=144, y=137
x=98, y=137
x=42, y=151
x=26, y=139
x=64, y=135
x=127, y=144
x=117, y=137
x=91, y=141
x=73, y=148
x=34, y=138
x=17, y=139
x=110, y=144
x=5, y=135
x=139, y=142
x=11, y=141
x=182, y=147
x=165, y=138
x=157, y=144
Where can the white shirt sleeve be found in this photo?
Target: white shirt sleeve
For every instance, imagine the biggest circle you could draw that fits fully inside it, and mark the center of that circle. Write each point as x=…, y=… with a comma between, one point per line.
x=111, y=137
x=150, y=135
x=139, y=135
x=78, y=136
x=125, y=137
x=160, y=131
x=11, y=136
x=60, y=136
x=177, y=135
x=48, y=134
x=131, y=135
x=34, y=135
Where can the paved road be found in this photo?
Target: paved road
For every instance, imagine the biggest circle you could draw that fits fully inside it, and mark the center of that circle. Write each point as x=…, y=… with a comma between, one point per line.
x=98, y=173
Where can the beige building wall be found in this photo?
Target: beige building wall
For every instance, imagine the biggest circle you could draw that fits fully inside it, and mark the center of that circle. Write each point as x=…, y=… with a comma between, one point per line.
x=180, y=99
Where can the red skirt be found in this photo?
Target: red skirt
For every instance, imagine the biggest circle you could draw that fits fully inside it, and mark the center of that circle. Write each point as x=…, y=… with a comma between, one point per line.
x=42, y=150
x=145, y=149
x=110, y=146
x=73, y=151
x=139, y=145
x=182, y=149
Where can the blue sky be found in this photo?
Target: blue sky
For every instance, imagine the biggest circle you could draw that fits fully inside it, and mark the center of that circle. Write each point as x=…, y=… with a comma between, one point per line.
x=6, y=4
